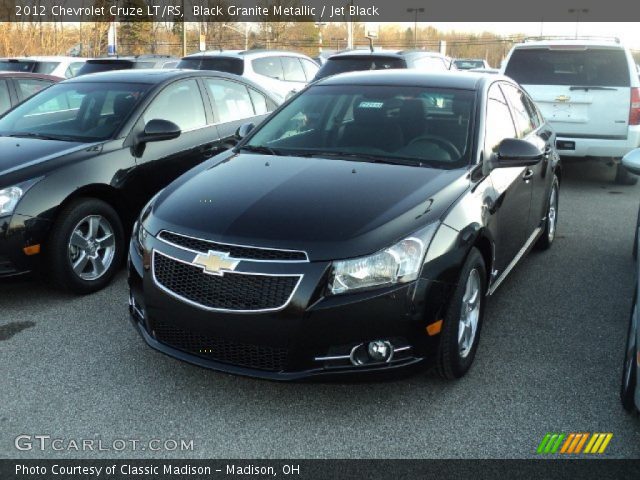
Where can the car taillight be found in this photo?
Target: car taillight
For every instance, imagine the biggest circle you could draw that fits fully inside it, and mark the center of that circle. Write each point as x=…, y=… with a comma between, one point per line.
x=634, y=111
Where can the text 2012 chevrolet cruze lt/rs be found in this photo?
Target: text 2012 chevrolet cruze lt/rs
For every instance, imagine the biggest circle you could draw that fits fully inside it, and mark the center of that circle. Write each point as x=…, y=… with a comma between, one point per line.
x=359, y=228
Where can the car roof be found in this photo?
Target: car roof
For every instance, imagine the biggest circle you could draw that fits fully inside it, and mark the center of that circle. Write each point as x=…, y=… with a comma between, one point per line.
x=383, y=53
x=244, y=53
x=570, y=43
x=37, y=76
x=45, y=58
x=412, y=78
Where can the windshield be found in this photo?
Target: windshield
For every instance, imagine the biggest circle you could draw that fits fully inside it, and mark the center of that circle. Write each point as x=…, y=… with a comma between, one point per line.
x=412, y=125
x=589, y=67
x=468, y=64
x=74, y=111
x=219, y=64
x=334, y=66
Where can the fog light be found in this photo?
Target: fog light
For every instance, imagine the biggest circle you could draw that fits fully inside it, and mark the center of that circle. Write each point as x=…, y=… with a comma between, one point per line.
x=380, y=351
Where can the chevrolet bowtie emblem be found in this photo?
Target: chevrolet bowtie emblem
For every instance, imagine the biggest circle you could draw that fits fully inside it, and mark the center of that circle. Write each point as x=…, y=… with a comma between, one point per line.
x=563, y=98
x=216, y=263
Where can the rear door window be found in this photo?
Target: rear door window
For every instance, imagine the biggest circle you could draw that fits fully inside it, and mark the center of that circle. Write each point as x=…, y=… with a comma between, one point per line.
x=5, y=101
x=269, y=67
x=589, y=67
x=231, y=100
x=292, y=69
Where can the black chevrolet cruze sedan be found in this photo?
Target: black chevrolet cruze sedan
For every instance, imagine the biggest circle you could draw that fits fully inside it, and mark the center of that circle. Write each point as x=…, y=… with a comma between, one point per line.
x=80, y=159
x=361, y=227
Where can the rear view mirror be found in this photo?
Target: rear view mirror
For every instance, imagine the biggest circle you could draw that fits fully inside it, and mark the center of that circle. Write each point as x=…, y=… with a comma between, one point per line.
x=157, y=130
x=243, y=130
x=631, y=161
x=513, y=152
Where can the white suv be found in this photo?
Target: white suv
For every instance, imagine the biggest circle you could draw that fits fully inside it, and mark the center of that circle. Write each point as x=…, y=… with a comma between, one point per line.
x=281, y=73
x=588, y=90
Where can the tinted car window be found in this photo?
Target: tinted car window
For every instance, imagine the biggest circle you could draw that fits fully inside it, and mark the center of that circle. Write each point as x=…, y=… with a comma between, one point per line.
x=104, y=66
x=219, y=64
x=45, y=67
x=28, y=87
x=269, y=67
x=231, y=99
x=180, y=103
x=587, y=67
x=292, y=69
x=19, y=66
x=5, y=102
x=352, y=64
x=394, y=122
x=524, y=122
x=499, y=123
x=73, y=111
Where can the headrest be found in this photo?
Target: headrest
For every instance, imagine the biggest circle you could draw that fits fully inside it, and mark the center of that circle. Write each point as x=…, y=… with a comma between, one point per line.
x=413, y=109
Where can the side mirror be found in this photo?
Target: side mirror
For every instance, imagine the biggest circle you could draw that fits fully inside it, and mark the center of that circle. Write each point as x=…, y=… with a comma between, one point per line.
x=513, y=152
x=243, y=130
x=631, y=161
x=157, y=130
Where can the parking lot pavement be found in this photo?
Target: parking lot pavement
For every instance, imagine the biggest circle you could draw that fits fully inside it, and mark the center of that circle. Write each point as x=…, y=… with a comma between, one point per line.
x=549, y=361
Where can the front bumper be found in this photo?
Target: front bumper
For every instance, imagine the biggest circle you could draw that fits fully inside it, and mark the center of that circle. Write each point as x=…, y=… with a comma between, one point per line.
x=312, y=335
x=18, y=232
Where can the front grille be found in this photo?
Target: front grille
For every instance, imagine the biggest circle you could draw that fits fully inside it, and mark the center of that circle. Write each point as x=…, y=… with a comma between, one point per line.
x=235, y=251
x=203, y=345
x=231, y=291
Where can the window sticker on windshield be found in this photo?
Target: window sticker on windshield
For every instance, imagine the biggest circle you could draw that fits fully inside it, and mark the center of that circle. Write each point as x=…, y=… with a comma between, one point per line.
x=370, y=105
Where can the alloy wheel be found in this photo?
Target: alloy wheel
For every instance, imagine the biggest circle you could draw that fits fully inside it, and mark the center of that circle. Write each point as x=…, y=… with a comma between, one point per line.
x=91, y=248
x=469, y=313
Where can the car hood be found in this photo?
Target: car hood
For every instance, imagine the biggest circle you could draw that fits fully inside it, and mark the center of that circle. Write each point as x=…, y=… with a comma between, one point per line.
x=19, y=152
x=329, y=208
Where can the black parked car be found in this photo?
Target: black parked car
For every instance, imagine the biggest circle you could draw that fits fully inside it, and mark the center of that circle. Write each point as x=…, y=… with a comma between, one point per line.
x=82, y=157
x=107, y=64
x=630, y=388
x=358, y=60
x=358, y=228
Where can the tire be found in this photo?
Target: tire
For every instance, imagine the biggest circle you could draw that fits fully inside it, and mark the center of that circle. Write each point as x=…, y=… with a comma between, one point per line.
x=550, y=225
x=623, y=177
x=454, y=357
x=635, y=238
x=629, y=372
x=97, y=260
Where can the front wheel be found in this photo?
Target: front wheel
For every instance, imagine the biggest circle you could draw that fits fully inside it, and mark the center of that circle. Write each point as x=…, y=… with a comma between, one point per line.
x=86, y=246
x=550, y=225
x=463, y=321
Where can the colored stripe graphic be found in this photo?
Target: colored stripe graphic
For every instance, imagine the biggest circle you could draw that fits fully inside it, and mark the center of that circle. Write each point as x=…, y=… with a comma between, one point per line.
x=573, y=443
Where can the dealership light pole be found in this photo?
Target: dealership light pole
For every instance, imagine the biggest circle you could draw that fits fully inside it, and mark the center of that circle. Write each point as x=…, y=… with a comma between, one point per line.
x=578, y=11
x=415, y=11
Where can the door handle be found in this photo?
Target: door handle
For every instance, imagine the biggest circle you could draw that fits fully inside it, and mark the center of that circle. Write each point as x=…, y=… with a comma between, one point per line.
x=528, y=175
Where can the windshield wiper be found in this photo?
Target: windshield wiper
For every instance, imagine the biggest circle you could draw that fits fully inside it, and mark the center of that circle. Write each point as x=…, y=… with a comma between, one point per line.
x=363, y=157
x=263, y=149
x=586, y=88
x=40, y=136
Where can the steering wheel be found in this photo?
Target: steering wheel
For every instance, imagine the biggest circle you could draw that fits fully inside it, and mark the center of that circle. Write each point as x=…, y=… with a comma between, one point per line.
x=443, y=143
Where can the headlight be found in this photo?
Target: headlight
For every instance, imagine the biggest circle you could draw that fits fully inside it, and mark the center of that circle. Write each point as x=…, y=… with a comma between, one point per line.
x=10, y=196
x=399, y=263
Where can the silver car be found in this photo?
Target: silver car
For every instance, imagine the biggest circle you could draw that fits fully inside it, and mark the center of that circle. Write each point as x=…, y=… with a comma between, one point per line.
x=280, y=72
